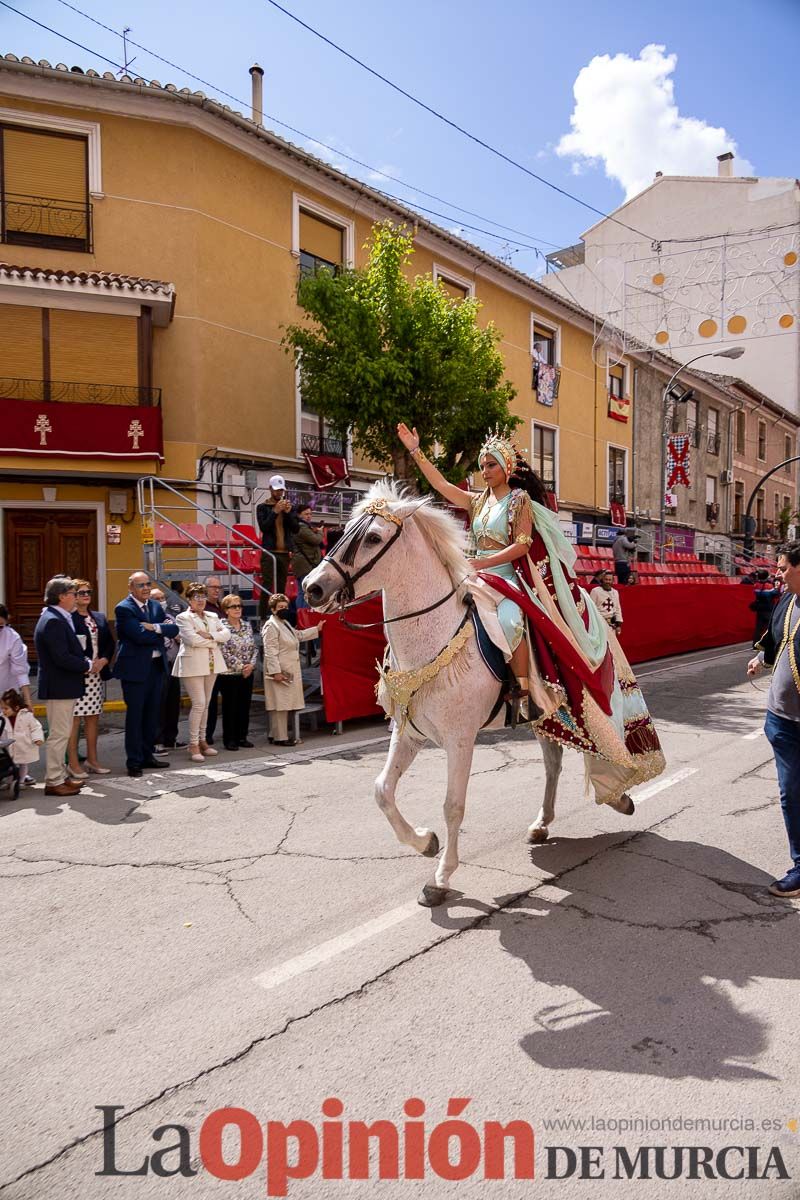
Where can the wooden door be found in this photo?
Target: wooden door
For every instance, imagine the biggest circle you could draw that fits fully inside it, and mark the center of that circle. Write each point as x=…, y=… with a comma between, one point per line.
x=39, y=544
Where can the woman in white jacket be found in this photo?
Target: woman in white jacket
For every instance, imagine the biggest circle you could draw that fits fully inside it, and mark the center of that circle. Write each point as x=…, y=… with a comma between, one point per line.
x=283, y=680
x=198, y=663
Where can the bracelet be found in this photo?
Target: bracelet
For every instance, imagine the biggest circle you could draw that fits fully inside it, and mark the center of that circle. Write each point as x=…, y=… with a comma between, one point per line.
x=523, y=539
x=418, y=454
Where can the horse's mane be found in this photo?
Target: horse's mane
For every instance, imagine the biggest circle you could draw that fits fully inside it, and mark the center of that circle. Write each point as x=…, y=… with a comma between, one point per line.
x=442, y=531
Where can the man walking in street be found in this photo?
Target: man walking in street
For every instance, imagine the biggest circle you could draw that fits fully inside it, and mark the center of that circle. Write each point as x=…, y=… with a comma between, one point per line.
x=780, y=649
x=142, y=631
x=63, y=667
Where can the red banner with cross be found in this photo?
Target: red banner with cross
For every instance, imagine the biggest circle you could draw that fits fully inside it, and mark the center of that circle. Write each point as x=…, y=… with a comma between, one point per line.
x=66, y=430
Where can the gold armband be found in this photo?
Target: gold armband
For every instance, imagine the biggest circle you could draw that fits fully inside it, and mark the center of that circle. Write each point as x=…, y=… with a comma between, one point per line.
x=418, y=454
x=523, y=539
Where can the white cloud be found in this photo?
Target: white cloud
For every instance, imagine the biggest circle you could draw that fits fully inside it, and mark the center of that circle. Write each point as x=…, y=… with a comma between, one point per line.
x=626, y=118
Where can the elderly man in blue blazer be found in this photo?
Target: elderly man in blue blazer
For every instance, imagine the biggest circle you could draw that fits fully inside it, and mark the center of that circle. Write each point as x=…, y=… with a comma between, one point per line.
x=142, y=630
x=63, y=668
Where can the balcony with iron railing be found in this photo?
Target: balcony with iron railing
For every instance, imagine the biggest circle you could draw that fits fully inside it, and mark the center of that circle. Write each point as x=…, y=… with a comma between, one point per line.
x=45, y=221
x=333, y=447
x=78, y=392
x=713, y=443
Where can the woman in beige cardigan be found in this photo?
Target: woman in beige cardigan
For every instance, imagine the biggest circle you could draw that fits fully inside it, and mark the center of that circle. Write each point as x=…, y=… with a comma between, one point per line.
x=198, y=663
x=283, y=681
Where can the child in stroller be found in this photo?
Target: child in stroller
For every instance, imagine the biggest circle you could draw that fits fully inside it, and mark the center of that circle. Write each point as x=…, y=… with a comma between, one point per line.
x=9, y=771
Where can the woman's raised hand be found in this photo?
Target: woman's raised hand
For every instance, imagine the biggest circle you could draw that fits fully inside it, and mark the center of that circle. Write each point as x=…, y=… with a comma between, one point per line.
x=409, y=437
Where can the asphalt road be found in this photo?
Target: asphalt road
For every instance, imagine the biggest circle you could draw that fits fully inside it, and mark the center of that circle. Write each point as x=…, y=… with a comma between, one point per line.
x=248, y=936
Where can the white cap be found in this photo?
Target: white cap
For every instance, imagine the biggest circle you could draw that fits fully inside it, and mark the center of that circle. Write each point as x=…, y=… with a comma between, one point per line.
x=277, y=483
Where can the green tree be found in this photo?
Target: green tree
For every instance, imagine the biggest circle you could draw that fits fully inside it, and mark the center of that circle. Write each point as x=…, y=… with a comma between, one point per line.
x=378, y=348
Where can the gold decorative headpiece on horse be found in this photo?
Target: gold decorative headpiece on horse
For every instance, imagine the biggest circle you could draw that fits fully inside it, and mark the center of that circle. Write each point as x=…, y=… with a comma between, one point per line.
x=500, y=446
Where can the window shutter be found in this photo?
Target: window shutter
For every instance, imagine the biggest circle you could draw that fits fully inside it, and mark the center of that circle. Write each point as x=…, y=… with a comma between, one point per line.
x=93, y=348
x=321, y=239
x=20, y=342
x=41, y=164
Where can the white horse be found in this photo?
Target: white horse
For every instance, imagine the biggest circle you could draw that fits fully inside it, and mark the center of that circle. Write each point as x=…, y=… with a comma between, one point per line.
x=414, y=553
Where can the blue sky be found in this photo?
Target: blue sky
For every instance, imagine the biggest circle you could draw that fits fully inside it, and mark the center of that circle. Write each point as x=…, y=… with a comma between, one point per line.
x=504, y=71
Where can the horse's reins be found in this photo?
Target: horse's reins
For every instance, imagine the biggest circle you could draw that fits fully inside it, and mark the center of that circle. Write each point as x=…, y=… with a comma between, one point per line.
x=378, y=508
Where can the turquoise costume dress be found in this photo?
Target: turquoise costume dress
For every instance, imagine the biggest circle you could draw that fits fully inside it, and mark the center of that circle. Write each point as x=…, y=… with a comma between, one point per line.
x=490, y=526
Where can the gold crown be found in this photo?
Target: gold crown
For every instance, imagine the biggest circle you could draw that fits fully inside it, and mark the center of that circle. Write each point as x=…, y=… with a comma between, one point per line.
x=501, y=442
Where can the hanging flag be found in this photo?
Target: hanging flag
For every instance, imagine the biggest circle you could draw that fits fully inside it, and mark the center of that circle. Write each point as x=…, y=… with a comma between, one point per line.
x=678, y=462
x=327, y=470
x=617, y=513
x=619, y=407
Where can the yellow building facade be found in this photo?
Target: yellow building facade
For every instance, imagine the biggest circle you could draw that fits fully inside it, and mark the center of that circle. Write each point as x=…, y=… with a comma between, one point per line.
x=151, y=245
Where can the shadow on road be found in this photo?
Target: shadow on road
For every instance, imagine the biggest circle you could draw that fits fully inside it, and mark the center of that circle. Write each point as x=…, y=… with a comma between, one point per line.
x=649, y=949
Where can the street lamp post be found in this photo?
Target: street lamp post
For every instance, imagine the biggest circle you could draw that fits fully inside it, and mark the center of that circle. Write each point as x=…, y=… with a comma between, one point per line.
x=731, y=352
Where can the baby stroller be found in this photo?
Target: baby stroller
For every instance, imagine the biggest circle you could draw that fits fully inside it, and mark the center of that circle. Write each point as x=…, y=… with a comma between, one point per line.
x=9, y=771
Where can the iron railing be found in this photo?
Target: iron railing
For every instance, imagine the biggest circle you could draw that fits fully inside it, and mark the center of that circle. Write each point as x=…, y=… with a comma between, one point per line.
x=46, y=221
x=76, y=392
x=312, y=264
x=312, y=443
x=713, y=443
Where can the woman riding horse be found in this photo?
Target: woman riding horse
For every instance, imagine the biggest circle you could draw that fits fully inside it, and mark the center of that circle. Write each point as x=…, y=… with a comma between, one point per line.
x=568, y=664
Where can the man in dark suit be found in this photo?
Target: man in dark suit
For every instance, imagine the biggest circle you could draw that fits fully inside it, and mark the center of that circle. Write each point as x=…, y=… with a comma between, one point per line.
x=142, y=632
x=780, y=649
x=63, y=668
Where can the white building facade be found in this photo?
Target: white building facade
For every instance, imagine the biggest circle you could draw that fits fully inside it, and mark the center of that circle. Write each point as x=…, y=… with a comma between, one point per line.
x=694, y=264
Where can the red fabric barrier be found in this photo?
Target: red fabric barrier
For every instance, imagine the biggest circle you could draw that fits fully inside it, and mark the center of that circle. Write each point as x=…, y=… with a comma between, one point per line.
x=659, y=621
x=347, y=666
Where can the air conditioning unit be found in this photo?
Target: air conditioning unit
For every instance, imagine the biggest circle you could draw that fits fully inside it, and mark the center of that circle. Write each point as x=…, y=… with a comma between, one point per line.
x=726, y=476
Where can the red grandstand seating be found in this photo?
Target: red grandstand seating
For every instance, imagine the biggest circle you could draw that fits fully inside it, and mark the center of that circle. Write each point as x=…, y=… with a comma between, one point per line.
x=242, y=532
x=216, y=535
x=194, y=532
x=166, y=535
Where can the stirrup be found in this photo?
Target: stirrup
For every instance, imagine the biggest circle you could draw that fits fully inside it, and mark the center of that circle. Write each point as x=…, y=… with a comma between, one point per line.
x=523, y=708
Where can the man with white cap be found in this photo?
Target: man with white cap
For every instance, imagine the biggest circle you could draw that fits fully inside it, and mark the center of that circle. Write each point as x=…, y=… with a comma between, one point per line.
x=278, y=523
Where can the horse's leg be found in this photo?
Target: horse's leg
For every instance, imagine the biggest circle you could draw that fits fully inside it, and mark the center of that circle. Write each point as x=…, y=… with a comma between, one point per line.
x=552, y=753
x=402, y=752
x=459, y=764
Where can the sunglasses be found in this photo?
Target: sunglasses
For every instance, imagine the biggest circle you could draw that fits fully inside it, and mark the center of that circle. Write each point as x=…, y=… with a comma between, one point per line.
x=234, y=606
x=83, y=593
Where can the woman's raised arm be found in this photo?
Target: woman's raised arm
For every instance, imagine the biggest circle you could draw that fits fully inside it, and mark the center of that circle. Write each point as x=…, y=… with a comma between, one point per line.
x=456, y=496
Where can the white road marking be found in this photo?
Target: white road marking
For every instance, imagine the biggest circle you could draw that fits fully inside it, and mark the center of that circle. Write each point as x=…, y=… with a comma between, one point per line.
x=751, y=737
x=275, y=976
x=661, y=785
x=328, y=950
x=694, y=662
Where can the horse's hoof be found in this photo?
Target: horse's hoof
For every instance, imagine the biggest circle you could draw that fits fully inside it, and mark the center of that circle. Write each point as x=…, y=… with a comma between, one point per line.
x=537, y=835
x=630, y=807
x=432, y=848
x=431, y=896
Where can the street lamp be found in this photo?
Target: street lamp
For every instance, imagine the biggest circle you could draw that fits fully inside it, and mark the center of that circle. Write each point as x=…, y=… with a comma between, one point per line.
x=730, y=352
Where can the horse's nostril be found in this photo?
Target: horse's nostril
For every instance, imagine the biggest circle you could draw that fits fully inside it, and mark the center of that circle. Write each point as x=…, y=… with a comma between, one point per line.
x=313, y=593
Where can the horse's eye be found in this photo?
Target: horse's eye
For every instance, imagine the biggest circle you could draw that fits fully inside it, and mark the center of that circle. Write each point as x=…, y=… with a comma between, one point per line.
x=372, y=539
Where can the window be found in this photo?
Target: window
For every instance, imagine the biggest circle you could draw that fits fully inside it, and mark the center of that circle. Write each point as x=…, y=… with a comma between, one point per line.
x=788, y=449
x=545, y=455
x=776, y=512
x=741, y=430
x=45, y=198
x=692, y=422
x=762, y=441
x=761, y=522
x=712, y=427
x=712, y=507
x=617, y=475
x=321, y=245
x=544, y=344
x=738, y=507
x=616, y=380
x=456, y=288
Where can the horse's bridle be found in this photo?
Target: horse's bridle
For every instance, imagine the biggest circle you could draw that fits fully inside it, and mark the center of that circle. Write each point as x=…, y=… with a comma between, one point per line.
x=377, y=508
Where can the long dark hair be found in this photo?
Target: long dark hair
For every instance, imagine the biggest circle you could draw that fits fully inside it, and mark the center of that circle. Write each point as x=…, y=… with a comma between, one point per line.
x=523, y=476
